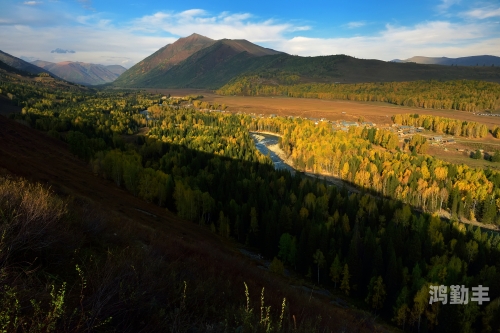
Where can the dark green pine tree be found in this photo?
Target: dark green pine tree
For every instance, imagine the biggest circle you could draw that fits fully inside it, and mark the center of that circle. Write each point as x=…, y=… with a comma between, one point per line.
x=496, y=156
x=489, y=211
x=392, y=274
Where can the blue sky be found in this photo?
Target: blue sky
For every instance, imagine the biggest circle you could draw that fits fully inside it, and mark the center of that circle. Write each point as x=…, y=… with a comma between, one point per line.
x=124, y=32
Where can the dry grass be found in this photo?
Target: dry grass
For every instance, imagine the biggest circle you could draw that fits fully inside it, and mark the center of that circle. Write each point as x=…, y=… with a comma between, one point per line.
x=29, y=217
x=377, y=112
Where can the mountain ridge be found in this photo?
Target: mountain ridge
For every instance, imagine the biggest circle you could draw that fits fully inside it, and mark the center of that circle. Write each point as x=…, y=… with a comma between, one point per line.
x=216, y=63
x=166, y=57
x=82, y=72
x=195, y=57
x=479, y=60
x=20, y=64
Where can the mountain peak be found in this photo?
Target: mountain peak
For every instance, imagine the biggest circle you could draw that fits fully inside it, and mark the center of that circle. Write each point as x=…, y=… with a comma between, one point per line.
x=167, y=57
x=242, y=45
x=196, y=36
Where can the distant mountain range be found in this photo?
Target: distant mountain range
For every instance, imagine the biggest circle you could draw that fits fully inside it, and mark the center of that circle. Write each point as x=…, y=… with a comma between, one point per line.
x=20, y=64
x=81, y=72
x=200, y=62
x=482, y=60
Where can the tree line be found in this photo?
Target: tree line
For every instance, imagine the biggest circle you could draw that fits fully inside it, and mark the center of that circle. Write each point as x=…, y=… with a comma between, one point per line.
x=443, y=125
x=419, y=180
x=464, y=95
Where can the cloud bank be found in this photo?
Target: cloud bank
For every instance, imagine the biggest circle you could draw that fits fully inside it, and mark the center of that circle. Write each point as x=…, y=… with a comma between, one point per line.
x=58, y=50
x=101, y=39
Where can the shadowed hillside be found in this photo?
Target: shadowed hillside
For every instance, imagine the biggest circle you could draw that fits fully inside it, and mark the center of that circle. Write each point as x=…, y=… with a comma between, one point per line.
x=127, y=265
x=20, y=64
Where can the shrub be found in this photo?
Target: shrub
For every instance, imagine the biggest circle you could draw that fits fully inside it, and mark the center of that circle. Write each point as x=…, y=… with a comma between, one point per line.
x=29, y=215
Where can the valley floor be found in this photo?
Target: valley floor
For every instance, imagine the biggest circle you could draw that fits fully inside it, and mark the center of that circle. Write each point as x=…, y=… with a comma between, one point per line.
x=379, y=113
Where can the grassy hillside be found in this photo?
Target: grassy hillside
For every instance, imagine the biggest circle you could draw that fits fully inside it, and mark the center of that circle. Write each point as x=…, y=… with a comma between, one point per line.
x=6, y=68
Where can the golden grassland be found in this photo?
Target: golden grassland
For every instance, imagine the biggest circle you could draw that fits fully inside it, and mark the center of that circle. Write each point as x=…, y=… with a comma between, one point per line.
x=377, y=112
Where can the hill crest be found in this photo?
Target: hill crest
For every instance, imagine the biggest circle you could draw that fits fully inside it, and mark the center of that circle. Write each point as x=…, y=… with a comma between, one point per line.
x=479, y=60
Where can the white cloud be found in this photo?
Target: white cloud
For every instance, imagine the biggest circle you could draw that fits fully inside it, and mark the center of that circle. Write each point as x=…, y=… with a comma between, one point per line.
x=224, y=25
x=93, y=45
x=32, y=3
x=430, y=39
x=482, y=13
x=99, y=40
x=356, y=24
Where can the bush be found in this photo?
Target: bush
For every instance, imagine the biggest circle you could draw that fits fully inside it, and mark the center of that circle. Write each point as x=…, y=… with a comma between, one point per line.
x=277, y=267
x=477, y=155
x=496, y=157
x=29, y=218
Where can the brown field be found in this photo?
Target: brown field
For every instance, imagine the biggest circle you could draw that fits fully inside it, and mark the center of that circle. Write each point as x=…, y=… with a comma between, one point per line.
x=379, y=113
x=452, y=155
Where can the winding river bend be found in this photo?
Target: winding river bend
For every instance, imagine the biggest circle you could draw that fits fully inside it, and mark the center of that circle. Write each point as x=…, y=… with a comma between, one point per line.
x=262, y=141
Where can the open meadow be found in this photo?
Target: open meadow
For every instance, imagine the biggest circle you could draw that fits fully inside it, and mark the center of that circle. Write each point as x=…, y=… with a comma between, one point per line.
x=379, y=113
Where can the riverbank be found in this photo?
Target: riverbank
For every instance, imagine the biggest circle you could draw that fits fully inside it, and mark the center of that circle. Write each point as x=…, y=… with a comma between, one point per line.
x=281, y=154
x=276, y=149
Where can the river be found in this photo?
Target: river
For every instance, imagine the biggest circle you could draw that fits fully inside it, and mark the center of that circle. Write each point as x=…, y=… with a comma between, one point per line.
x=262, y=141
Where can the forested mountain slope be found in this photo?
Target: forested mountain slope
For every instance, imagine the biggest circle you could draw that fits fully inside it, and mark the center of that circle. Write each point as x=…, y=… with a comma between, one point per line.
x=196, y=62
x=204, y=63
